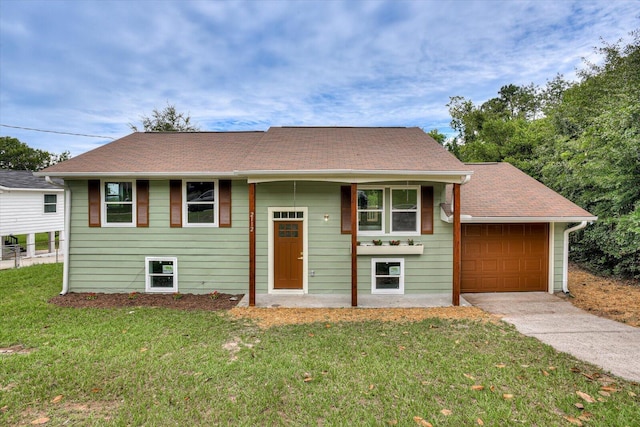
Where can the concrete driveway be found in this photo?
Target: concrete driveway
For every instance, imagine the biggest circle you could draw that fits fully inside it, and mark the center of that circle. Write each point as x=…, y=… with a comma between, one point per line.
x=613, y=346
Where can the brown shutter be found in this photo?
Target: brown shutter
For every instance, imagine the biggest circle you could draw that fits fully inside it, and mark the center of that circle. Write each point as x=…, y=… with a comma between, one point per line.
x=345, y=209
x=427, y=210
x=224, y=196
x=175, y=203
x=142, y=203
x=94, y=202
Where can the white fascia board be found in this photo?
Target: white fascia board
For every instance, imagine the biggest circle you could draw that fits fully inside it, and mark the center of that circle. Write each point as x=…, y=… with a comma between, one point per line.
x=139, y=175
x=516, y=219
x=34, y=190
x=355, y=176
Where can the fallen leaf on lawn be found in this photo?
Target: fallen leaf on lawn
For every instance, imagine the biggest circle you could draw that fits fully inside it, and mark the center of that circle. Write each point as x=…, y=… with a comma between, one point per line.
x=95, y=390
x=501, y=365
x=311, y=335
x=392, y=422
x=576, y=370
x=632, y=394
x=371, y=386
x=4, y=409
x=545, y=373
x=604, y=393
x=469, y=376
x=507, y=396
x=401, y=347
x=477, y=387
x=422, y=422
x=601, y=400
x=457, y=341
x=480, y=422
x=425, y=382
x=57, y=399
x=579, y=405
x=587, y=376
x=42, y=420
x=573, y=421
x=327, y=325
x=524, y=366
x=446, y=412
x=306, y=380
x=585, y=416
x=609, y=389
x=433, y=327
x=586, y=397
x=143, y=349
x=552, y=368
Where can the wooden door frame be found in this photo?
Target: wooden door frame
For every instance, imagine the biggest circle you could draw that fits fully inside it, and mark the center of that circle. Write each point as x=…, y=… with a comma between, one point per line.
x=305, y=249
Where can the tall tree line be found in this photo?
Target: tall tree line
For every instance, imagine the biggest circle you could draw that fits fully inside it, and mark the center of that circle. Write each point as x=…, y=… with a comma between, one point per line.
x=580, y=138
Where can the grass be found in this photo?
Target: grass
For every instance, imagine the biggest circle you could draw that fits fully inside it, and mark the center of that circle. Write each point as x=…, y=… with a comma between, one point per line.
x=42, y=241
x=167, y=367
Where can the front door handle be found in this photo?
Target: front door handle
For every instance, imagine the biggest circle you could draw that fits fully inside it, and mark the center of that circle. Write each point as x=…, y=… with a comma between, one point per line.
x=301, y=256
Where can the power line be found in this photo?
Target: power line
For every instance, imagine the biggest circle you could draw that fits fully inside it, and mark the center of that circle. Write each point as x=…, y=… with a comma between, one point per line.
x=54, y=131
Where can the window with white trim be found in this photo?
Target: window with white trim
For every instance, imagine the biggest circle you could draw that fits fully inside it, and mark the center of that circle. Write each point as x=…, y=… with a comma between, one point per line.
x=161, y=274
x=387, y=275
x=200, y=198
x=405, y=206
x=118, y=202
x=370, y=210
x=50, y=203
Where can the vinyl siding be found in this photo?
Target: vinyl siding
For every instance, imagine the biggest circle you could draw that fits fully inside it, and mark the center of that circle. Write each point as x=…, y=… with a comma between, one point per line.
x=558, y=247
x=111, y=259
x=22, y=212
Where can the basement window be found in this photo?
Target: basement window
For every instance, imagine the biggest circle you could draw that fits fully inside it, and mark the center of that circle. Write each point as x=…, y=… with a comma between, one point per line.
x=161, y=274
x=387, y=276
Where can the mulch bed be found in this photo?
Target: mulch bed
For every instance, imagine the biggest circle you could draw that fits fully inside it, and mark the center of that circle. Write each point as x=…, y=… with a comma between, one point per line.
x=185, y=302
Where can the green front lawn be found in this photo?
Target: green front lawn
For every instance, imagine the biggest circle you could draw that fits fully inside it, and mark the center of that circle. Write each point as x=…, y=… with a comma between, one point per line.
x=168, y=367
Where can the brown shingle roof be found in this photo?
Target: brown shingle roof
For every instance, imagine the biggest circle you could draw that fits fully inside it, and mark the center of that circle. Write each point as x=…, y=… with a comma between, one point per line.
x=340, y=148
x=500, y=190
x=287, y=149
x=164, y=153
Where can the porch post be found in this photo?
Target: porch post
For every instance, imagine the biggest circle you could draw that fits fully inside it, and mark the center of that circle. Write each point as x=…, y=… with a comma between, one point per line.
x=457, y=248
x=252, y=245
x=354, y=245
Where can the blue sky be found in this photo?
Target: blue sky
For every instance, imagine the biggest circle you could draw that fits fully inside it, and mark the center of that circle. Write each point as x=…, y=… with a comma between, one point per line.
x=92, y=67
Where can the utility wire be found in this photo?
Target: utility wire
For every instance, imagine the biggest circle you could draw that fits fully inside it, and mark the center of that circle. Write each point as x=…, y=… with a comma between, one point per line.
x=54, y=131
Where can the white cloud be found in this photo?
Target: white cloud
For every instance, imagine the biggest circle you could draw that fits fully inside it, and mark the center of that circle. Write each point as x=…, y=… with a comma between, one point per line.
x=93, y=67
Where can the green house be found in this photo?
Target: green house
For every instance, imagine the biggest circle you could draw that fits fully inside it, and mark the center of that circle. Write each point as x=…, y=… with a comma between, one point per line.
x=307, y=210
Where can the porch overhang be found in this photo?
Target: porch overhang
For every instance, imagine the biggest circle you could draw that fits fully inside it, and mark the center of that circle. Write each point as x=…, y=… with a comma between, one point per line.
x=354, y=176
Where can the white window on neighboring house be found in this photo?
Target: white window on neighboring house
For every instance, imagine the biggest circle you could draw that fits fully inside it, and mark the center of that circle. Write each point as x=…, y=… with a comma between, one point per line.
x=200, y=198
x=118, y=202
x=387, y=276
x=161, y=274
x=405, y=206
x=50, y=203
x=370, y=211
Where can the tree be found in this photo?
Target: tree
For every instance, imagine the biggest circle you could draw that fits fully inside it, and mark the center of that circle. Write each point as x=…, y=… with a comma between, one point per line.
x=166, y=120
x=17, y=155
x=439, y=137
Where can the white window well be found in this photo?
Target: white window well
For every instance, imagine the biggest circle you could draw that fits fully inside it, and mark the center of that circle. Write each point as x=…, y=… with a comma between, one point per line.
x=387, y=276
x=161, y=274
x=200, y=207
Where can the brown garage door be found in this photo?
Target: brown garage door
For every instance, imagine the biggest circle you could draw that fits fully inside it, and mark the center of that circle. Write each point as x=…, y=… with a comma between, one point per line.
x=504, y=257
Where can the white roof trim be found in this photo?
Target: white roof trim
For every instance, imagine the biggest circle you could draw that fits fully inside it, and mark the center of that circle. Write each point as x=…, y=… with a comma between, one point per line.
x=45, y=190
x=468, y=219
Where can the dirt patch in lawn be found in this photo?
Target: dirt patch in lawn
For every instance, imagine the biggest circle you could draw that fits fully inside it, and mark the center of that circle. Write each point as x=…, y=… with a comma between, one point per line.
x=268, y=317
x=181, y=301
x=605, y=296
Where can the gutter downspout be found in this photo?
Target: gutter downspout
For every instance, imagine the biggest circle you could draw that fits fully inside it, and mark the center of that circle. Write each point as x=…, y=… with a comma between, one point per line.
x=565, y=255
x=67, y=234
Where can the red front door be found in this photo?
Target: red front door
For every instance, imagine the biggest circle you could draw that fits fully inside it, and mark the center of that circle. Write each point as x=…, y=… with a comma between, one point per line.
x=288, y=255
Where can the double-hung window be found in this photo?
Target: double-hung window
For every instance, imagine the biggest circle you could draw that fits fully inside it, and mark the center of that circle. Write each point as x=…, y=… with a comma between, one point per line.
x=118, y=203
x=50, y=203
x=161, y=274
x=371, y=210
x=200, y=203
x=404, y=210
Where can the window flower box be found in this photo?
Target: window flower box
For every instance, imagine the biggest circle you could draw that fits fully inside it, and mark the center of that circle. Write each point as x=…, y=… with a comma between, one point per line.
x=417, y=249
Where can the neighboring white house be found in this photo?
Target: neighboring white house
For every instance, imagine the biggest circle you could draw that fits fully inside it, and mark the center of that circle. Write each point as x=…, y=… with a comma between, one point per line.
x=29, y=205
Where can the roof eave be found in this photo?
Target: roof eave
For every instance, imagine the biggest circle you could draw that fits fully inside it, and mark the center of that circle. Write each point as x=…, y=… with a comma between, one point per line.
x=354, y=176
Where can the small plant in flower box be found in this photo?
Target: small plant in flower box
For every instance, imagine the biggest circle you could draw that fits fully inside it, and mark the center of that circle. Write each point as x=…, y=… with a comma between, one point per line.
x=394, y=242
x=410, y=242
x=377, y=242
